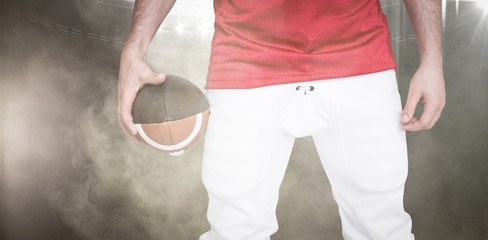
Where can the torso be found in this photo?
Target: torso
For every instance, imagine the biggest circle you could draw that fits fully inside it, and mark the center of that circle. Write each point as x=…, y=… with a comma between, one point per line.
x=263, y=42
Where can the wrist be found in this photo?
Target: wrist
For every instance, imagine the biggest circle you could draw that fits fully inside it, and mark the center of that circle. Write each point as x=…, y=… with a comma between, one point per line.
x=432, y=61
x=133, y=53
x=135, y=49
x=130, y=55
x=431, y=55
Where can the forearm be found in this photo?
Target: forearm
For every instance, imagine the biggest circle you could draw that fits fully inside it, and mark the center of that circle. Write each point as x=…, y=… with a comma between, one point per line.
x=146, y=19
x=425, y=16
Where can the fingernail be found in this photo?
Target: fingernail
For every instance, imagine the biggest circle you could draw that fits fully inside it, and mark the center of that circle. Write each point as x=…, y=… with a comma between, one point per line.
x=405, y=117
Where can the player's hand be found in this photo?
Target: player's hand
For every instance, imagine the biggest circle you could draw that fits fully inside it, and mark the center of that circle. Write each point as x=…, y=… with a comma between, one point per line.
x=133, y=74
x=427, y=86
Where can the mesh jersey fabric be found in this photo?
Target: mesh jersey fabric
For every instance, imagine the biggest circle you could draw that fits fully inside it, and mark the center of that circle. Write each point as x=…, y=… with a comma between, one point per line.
x=264, y=42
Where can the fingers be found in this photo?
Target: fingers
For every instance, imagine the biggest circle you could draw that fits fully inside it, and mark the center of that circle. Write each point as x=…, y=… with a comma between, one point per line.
x=423, y=123
x=126, y=131
x=144, y=75
x=430, y=115
x=131, y=79
x=436, y=117
x=156, y=78
x=125, y=109
x=426, y=86
x=413, y=99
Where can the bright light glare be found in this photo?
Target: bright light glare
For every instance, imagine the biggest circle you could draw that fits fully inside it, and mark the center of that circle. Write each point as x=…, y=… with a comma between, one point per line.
x=483, y=4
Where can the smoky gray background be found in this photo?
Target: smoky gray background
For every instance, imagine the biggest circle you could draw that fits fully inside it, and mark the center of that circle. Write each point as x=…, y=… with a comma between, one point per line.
x=67, y=171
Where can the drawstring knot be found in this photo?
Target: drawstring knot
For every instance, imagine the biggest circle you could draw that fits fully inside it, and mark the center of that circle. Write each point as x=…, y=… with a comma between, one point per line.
x=305, y=89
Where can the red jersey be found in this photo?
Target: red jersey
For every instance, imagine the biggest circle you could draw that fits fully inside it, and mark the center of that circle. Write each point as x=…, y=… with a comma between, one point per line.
x=263, y=42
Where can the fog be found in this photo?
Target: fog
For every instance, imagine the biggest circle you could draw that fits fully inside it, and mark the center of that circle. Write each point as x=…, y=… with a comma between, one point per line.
x=68, y=172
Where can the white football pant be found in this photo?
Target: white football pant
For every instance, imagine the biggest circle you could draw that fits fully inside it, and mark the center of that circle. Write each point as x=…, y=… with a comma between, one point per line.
x=355, y=125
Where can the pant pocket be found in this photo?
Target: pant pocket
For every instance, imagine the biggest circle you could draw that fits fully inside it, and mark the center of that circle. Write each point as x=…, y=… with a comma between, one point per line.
x=375, y=146
x=373, y=142
x=376, y=157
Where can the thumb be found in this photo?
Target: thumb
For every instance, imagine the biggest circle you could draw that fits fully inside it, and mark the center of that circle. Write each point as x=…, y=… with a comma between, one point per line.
x=157, y=78
x=410, y=105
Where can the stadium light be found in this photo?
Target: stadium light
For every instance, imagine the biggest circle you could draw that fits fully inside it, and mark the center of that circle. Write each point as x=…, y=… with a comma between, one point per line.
x=484, y=5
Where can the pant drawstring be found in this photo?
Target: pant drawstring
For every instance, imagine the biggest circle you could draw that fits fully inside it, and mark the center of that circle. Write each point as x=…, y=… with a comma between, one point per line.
x=305, y=88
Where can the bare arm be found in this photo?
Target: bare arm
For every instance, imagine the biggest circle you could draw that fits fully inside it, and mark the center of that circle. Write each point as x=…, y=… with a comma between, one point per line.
x=146, y=19
x=427, y=84
x=426, y=20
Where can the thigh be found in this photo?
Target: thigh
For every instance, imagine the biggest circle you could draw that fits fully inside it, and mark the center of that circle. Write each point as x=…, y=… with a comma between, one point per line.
x=365, y=143
x=243, y=143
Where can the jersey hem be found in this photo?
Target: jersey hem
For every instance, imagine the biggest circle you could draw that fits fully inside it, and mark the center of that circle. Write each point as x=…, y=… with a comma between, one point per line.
x=246, y=83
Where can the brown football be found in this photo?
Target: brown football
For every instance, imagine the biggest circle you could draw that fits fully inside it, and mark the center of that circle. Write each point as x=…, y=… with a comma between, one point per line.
x=170, y=116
